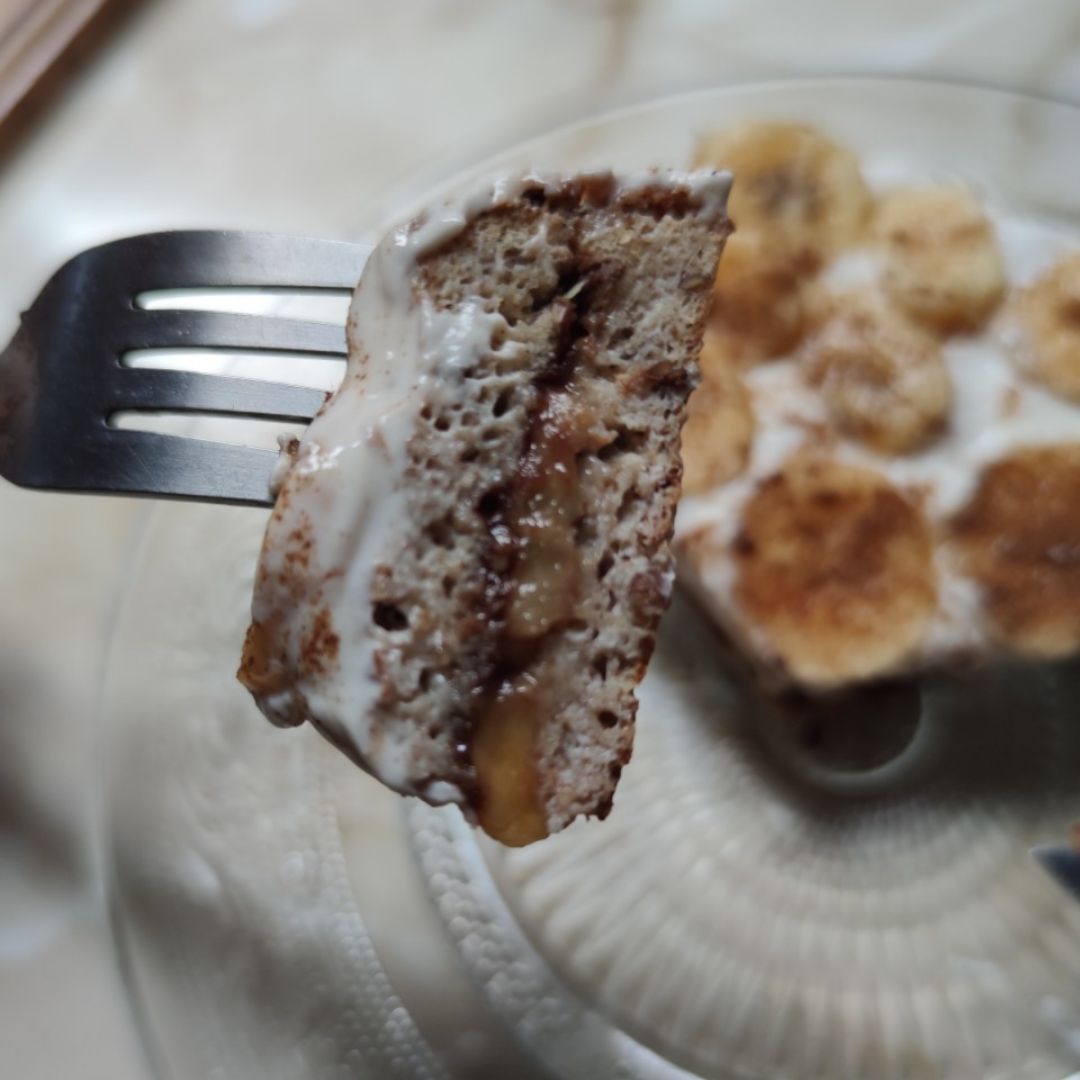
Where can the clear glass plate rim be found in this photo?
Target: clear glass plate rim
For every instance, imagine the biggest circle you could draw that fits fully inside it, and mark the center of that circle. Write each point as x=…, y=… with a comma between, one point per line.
x=561, y=118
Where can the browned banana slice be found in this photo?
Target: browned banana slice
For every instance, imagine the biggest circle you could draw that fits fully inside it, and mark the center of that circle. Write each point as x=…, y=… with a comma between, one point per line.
x=720, y=423
x=761, y=301
x=1047, y=315
x=943, y=263
x=1019, y=537
x=835, y=568
x=792, y=181
x=884, y=381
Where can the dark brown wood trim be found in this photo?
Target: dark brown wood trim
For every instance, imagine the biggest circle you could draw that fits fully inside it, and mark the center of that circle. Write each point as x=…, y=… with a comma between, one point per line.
x=43, y=43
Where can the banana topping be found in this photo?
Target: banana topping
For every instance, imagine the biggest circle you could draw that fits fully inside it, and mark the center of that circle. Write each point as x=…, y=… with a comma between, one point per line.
x=1047, y=315
x=883, y=380
x=882, y=462
x=792, y=183
x=943, y=264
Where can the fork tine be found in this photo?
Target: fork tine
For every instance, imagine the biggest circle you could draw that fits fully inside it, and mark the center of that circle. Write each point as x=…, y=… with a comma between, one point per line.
x=187, y=391
x=161, y=329
x=149, y=463
x=61, y=375
x=214, y=258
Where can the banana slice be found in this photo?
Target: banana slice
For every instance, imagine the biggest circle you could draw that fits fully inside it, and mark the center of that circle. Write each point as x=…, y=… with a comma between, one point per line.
x=1019, y=537
x=835, y=568
x=943, y=264
x=720, y=423
x=1047, y=316
x=761, y=302
x=884, y=381
x=793, y=181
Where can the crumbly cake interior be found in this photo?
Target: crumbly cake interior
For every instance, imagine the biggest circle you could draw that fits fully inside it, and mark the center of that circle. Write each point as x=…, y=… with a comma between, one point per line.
x=543, y=485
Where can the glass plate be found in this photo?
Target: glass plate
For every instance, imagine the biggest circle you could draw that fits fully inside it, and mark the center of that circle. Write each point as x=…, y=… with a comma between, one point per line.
x=746, y=911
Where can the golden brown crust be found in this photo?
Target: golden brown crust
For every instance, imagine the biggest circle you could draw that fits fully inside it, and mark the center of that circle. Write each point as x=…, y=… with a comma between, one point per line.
x=1019, y=537
x=834, y=566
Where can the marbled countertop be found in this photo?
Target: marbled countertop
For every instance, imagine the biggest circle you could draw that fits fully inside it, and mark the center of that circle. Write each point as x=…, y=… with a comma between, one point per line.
x=320, y=116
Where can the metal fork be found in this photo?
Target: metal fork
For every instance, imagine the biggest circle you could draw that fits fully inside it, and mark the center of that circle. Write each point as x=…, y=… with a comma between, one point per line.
x=62, y=376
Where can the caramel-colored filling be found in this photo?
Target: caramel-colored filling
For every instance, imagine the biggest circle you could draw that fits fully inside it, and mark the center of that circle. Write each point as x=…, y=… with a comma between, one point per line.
x=504, y=756
x=541, y=514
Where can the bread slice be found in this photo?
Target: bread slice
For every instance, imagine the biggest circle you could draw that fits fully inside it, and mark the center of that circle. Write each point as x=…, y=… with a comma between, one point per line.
x=464, y=572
